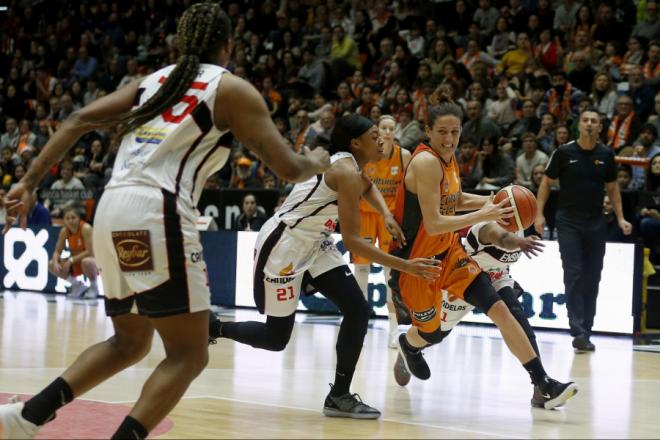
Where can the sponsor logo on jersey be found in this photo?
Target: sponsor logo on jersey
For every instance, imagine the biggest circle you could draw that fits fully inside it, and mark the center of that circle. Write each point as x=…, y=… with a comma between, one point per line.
x=133, y=250
x=495, y=275
x=453, y=307
x=196, y=257
x=328, y=246
x=280, y=280
x=286, y=271
x=448, y=203
x=330, y=225
x=150, y=135
x=394, y=170
x=424, y=315
x=510, y=257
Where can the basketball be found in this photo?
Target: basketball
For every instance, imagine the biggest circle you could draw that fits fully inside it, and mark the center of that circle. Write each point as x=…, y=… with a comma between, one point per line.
x=524, y=206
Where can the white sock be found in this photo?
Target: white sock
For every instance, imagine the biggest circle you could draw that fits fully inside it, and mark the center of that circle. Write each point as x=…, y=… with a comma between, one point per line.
x=386, y=274
x=362, y=277
x=391, y=319
x=391, y=316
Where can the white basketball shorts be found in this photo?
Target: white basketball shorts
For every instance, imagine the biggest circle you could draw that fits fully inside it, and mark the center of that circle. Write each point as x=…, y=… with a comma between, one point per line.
x=149, y=253
x=282, y=259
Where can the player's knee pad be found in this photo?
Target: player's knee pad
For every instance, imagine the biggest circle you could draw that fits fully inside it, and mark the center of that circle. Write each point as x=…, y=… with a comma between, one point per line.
x=277, y=342
x=434, y=337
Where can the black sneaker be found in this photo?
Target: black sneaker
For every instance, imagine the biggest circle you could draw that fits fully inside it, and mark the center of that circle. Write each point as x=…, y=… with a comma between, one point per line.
x=555, y=393
x=583, y=345
x=348, y=405
x=401, y=373
x=413, y=360
x=215, y=328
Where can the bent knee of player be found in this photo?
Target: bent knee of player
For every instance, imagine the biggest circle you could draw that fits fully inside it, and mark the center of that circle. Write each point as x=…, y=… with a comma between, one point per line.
x=434, y=337
x=277, y=342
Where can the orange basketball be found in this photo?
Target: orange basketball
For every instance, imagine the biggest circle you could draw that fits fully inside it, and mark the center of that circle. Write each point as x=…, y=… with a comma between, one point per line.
x=524, y=204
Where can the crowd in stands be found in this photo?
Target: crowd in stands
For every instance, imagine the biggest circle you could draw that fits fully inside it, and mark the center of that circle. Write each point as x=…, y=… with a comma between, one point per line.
x=521, y=69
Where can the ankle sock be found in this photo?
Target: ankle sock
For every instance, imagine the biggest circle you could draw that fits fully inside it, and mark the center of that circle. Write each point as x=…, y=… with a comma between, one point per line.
x=41, y=408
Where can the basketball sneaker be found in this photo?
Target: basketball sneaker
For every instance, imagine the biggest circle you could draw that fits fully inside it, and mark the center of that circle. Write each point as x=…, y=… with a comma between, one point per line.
x=413, y=359
x=348, y=405
x=215, y=328
x=401, y=373
x=555, y=393
x=537, y=399
x=92, y=292
x=77, y=289
x=583, y=345
x=12, y=423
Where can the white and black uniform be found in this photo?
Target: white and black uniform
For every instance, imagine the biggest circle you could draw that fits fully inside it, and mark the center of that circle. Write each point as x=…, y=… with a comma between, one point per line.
x=145, y=241
x=295, y=241
x=493, y=260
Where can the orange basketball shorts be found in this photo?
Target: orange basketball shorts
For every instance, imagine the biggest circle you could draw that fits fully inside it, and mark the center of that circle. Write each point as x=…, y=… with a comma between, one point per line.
x=424, y=299
x=372, y=229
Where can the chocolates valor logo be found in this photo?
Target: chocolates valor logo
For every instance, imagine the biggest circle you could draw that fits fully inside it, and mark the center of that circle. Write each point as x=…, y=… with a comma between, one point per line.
x=133, y=250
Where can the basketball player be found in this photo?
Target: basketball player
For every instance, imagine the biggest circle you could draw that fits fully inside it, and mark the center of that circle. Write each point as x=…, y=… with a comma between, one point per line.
x=495, y=250
x=386, y=175
x=77, y=234
x=294, y=251
x=171, y=123
x=427, y=200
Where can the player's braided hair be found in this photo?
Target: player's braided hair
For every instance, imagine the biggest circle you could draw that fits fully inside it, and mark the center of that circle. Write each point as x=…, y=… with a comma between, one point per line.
x=203, y=28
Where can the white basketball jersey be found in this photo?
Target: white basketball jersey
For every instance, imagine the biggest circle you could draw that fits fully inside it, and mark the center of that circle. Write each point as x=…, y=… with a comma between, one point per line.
x=178, y=149
x=493, y=260
x=311, y=207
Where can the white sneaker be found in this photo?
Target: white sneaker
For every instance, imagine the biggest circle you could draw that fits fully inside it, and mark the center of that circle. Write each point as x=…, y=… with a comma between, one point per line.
x=91, y=293
x=78, y=289
x=12, y=423
x=393, y=339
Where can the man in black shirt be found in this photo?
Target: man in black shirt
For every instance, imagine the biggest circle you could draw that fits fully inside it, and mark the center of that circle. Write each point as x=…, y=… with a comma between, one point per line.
x=584, y=168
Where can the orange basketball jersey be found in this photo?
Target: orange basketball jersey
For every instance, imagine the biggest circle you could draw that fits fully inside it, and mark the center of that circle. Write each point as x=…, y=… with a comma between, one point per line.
x=409, y=214
x=386, y=174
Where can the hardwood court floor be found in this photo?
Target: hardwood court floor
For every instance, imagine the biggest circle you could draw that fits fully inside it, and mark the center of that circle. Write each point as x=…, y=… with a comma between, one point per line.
x=477, y=388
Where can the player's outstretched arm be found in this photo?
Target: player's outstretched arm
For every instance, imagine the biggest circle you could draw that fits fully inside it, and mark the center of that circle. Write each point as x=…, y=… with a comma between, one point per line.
x=470, y=202
x=428, y=176
x=492, y=233
x=99, y=113
x=240, y=108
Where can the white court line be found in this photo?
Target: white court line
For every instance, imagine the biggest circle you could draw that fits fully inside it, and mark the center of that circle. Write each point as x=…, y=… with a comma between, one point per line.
x=273, y=405
x=426, y=425
x=20, y=393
